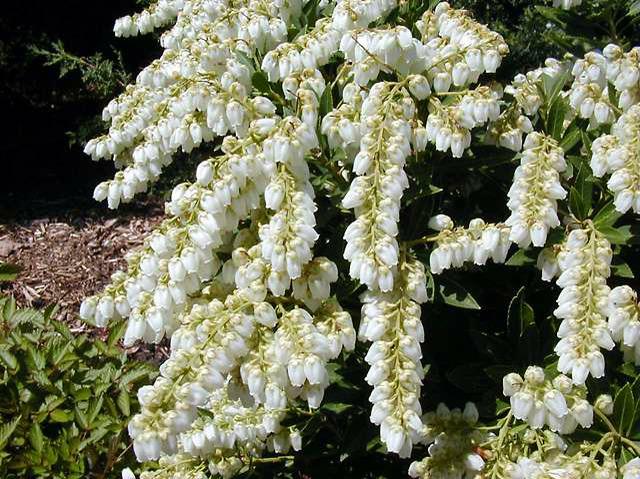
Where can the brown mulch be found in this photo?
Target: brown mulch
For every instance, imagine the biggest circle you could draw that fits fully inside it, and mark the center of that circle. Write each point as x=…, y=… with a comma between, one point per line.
x=69, y=256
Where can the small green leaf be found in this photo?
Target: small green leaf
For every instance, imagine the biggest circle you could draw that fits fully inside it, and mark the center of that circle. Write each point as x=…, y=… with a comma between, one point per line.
x=621, y=269
x=116, y=331
x=522, y=257
x=624, y=408
x=124, y=404
x=60, y=415
x=7, y=358
x=326, y=101
x=581, y=193
x=520, y=315
x=7, y=429
x=606, y=216
x=619, y=235
x=571, y=138
x=456, y=295
x=260, y=82
x=36, y=437
x=552, y=85
x=245, y=60
x=336, y=407
x=555, y=118
x=8, y=272
x=94, y=408
x=9, y=308
x=81, y=418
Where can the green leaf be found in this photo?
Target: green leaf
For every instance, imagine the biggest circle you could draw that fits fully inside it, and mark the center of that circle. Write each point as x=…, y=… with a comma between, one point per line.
x=326, y=101
x=123, y=401
x=606, y=216
x=581, y=193
x=36, y=438
x=522, y=257
x=81, y=418
x=9, y=308
x=520, y=315
x=260, y=82
x=59, y=415
x=621, y=269
x=620, y=235
x=552, y=85
x=141, y=371
x=8, y=272
x=245, y=60
x=7, y=429
x=456, y=295
x=336, y=407
x=27, y=315
x=94, y=408
x=624, y=408
x=571, y=138
x=634, y=9
x=116, y=331
x=7, y=358
x=555, y=118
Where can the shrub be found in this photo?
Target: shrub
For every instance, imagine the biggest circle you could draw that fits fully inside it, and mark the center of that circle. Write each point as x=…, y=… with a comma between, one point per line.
x=358, y=138
x=64, y=398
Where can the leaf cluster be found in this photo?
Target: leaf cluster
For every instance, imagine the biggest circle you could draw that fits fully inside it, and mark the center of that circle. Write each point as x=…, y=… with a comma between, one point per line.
x=65, y=398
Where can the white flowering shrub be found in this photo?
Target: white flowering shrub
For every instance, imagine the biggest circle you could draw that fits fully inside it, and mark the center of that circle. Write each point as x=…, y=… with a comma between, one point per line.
x=351, y=141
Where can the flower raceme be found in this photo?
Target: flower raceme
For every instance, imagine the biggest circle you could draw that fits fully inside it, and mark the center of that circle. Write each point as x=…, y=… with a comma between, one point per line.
x=240, y=277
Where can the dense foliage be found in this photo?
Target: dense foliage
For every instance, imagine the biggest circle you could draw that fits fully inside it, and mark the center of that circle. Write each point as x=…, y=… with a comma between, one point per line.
x=352, y=140
x=65, y=399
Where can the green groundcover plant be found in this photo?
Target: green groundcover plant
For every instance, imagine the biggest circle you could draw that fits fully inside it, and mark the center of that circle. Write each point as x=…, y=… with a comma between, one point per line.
x=384, y=229
x=65, y=399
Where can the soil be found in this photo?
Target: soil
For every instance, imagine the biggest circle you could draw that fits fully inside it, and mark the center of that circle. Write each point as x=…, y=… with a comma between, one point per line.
x=66, y=254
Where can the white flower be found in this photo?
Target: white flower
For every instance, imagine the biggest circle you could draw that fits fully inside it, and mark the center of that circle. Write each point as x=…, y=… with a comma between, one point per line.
x=392, y=321
x=558, y=403
x=582, y=304
x=624, y=320
x=616, y=154
x=372, y=249
x=631, y=470
x=478, y=243
x=535, y=190
x=128, y=474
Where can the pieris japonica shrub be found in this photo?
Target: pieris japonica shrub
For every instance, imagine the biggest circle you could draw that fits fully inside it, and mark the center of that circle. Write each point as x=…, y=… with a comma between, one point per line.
x=368, y=172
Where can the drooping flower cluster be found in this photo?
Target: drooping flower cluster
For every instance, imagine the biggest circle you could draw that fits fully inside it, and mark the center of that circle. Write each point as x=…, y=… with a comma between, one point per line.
x=391, y=321
x=535, y=191
x=449, y=127
x=197, y=90
x=624, y=321
x=525, y=89
x=460, y=49
x=375, y=194
x=618, y=154
x=453, y=443
x=243, y=362
x=372, y=51
x=156, y=16
x=555, y=403
x=582, y=304
x=477, y=243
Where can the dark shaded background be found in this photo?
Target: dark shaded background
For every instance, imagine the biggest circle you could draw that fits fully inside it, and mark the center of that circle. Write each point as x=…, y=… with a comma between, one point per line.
x=39, y=166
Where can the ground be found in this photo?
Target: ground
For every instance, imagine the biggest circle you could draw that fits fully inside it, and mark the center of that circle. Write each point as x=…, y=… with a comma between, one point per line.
x=69, y=253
